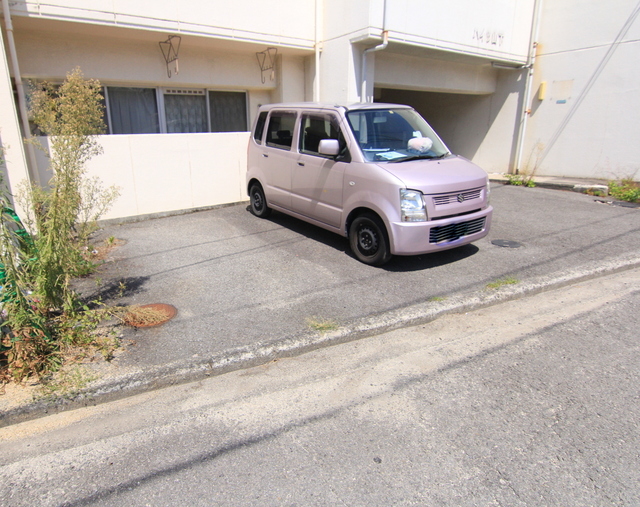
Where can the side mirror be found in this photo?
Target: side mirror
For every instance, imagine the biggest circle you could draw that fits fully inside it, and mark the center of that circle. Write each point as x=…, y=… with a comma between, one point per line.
x=330, y=147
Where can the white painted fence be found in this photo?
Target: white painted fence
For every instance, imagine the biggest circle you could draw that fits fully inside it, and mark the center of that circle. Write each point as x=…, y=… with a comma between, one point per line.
x=164, y=173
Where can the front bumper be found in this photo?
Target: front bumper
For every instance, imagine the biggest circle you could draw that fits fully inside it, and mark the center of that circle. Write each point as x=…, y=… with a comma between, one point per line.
x=413, y=238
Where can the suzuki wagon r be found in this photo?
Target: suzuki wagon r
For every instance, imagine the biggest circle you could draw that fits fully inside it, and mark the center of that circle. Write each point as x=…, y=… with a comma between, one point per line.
x=375, y=173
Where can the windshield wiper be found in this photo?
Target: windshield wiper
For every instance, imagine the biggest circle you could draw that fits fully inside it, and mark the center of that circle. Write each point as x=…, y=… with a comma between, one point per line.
x=419, y=157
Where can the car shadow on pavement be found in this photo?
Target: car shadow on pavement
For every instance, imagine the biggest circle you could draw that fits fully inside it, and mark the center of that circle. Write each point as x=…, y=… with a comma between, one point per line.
x=398, y=263
x=310, y=231
x=407, y=263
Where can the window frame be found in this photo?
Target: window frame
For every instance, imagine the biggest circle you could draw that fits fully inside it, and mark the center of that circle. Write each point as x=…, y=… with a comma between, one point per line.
x=160, y=93
x=282, y=113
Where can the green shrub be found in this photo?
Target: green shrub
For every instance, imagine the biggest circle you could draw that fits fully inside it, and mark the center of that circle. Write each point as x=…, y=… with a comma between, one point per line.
x=520, y=180
x=625, y=190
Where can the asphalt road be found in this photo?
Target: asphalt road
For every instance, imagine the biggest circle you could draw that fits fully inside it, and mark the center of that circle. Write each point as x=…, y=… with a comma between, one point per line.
x=526, y=403
x=237, y=280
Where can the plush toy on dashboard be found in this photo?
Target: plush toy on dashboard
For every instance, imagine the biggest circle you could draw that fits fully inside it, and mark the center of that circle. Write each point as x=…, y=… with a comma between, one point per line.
x=419, y=144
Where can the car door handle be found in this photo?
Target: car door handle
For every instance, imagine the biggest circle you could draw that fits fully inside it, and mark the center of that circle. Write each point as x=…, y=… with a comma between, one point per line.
x=301, y=164
x=265, y=155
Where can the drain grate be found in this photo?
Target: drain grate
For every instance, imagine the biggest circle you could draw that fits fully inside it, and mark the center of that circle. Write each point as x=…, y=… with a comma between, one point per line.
x=622, y=204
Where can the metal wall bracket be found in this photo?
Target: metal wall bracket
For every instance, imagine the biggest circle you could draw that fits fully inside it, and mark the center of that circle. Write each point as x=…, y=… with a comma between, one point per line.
x=267, y=62
x=170, y=49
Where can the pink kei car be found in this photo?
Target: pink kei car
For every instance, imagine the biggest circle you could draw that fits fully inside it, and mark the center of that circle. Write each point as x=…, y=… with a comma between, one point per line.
x=375, y=173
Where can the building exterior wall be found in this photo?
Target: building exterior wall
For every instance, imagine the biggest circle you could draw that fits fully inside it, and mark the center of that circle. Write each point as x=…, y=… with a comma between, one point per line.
x=497, y=29
x=586, y=124
x=439, y=56
x=286, y=23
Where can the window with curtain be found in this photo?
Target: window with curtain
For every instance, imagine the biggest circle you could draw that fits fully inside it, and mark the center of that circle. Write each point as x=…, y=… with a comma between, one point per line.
x=133, y=110
x=186, y=113
x=137, y=111
x=228, y=111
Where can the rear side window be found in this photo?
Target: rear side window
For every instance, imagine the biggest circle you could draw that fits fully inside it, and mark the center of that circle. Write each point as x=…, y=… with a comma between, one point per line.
x=257, y=135
x=280, y=130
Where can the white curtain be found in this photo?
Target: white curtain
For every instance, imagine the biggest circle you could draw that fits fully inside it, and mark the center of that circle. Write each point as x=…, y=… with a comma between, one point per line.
x=133, y=110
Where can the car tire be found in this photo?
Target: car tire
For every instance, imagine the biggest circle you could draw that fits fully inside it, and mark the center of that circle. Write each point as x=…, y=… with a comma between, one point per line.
x=258, y=201
x=369, y=240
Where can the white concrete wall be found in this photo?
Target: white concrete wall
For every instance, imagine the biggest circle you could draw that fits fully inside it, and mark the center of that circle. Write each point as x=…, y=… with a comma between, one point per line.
x=287, y=23
x=129, y=61
x=587, y=124
x=425, y=41
x=169, y=172
x=496, y=29
x=429, y=74
x=13, y=162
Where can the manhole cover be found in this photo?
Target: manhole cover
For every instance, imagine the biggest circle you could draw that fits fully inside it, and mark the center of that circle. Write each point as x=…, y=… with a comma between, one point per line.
x=506, y=243
x=150, y=315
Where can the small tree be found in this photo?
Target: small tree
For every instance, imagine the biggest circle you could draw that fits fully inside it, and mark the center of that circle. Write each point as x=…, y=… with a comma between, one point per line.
x=71, y=115
x=39, y=306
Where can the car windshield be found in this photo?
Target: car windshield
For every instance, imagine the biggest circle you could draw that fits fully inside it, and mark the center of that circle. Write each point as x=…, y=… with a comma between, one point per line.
x=394, y=135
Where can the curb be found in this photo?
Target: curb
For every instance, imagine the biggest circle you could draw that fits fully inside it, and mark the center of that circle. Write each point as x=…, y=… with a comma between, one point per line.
x=554, y=183
x=140, y=381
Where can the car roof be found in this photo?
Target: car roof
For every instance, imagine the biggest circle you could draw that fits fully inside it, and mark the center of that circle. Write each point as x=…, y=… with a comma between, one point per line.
x=321, y=105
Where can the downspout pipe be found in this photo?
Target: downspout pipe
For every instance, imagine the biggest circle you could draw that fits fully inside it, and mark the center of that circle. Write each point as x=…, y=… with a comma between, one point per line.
x=316, y=81
x=22, y=101
x=526, y=110
x=379, y=47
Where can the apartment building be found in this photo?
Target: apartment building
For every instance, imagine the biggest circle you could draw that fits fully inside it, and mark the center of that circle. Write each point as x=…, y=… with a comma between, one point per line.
x=514, y=85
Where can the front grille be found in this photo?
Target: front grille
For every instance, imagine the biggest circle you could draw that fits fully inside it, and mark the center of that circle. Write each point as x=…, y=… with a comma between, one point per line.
x=452, y=232
x=439, y=200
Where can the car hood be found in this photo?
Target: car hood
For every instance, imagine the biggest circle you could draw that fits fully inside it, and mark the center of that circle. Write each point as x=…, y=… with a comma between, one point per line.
x=449, y=174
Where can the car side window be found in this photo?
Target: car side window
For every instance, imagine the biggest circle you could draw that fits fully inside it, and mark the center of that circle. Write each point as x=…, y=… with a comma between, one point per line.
x=314, y=127
x=280, y=129
x=262, y=119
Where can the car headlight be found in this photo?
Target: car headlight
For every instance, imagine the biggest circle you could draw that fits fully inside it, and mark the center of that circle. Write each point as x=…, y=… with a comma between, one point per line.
x=488, y=191
x=412, y=206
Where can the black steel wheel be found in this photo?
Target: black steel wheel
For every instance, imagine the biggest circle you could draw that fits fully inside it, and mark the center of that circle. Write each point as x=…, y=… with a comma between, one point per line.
x=369, y=240
x=258, y=201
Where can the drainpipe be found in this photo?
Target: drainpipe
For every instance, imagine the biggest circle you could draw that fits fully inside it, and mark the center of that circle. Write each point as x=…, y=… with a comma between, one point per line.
x=22, y=101
x=526, y=111
x=379, y=47
x=316, y=81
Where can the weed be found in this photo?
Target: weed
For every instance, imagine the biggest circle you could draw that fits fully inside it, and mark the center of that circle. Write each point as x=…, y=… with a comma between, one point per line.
x=322, y=325
x=122, y=288
x=625, y=190
x=520, y=180
x=64, y=384
x=509, y=280
x=42, y=316
x=437, y=298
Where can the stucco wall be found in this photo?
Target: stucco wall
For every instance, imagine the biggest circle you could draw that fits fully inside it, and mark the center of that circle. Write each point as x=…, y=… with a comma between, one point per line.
x=287, y=23
x=160, y=173
x=587, y=123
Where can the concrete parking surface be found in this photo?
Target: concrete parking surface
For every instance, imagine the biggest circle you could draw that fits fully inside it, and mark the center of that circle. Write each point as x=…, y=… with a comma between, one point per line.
x=246, y=289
